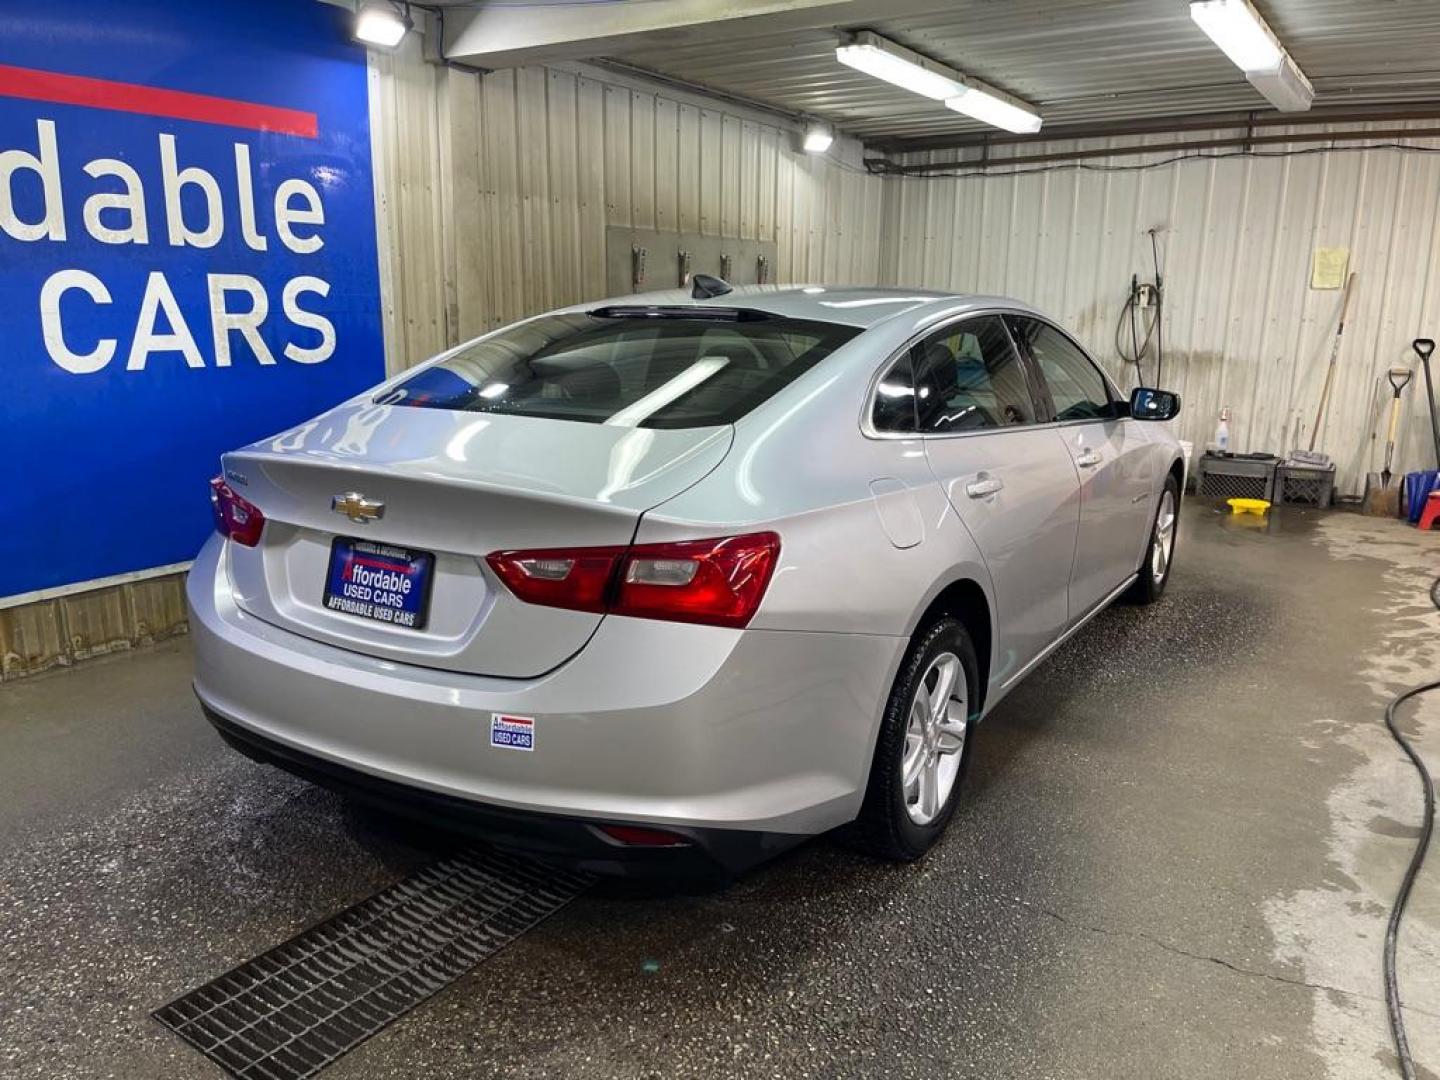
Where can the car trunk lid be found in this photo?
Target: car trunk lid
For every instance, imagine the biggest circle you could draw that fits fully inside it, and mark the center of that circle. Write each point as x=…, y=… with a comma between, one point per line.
x=455, y=486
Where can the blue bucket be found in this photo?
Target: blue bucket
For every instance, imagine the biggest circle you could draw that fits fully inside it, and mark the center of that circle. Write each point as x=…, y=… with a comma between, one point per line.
x=1418, y=486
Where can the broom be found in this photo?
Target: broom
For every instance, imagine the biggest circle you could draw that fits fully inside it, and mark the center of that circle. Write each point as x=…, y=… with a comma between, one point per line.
x=1334, y=355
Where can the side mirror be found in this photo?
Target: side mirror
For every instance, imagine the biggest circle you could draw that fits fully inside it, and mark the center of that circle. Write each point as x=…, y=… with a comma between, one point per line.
x=1149, y=404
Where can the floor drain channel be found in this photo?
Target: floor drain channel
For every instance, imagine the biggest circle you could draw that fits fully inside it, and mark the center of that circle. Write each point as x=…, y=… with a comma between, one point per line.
x=294, y=1010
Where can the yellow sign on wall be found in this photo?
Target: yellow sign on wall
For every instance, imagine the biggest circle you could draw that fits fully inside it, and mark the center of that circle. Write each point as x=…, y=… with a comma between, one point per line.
x=1328, y=269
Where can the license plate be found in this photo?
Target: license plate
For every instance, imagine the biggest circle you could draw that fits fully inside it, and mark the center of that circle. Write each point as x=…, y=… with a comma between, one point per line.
x=379, y=582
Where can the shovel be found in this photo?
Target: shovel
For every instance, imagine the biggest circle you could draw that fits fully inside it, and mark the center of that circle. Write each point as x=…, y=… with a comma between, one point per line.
x=1380, y=500
x=1423, y=348
x=1399, y=379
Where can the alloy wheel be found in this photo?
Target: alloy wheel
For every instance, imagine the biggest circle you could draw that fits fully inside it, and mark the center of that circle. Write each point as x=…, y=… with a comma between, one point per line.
x=934, y=738
x=1164, y=543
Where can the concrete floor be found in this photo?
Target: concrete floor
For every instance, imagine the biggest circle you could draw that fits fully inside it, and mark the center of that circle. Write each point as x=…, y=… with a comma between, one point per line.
x=1176, y=856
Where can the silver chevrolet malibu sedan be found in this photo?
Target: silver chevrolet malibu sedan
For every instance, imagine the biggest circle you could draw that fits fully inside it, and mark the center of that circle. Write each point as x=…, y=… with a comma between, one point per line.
x=679, y=580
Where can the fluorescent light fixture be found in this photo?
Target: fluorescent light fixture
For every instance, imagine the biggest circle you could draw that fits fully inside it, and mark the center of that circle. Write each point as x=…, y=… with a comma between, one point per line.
x=1241, y=33
x=994, y=107
x=1252, y=46
x=903, y=67
x=818, y=138
x=381, y=24
x=1286, y=87
x=909, y=70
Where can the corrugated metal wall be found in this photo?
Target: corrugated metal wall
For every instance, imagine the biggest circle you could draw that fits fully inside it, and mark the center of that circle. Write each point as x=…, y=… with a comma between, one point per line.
x=1242, y=326
x=496, y=191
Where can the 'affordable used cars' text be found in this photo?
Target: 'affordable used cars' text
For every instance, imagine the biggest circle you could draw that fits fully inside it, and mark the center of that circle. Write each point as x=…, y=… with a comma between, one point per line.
x=38, y=203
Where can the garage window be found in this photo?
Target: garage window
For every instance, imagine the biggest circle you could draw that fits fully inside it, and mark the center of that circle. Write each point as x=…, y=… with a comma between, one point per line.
x=644, y=368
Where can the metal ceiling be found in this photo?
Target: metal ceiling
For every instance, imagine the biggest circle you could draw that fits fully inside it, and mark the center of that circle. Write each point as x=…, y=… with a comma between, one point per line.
x=1081, y=61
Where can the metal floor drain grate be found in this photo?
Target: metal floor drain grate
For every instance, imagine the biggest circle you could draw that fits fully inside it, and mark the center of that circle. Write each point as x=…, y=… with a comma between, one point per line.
x=294, y=1010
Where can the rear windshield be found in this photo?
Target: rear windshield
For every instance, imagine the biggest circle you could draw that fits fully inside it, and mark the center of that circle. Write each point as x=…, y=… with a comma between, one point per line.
x=634, y=370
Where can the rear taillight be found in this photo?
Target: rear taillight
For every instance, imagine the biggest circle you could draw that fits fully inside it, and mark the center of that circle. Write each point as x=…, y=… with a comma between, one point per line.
x=236, y=518
x=716, y=582
x=578, y=579
x=720, y=582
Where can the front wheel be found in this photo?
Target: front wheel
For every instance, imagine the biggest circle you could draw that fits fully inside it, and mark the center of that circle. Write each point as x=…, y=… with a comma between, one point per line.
x=924, y=746
x=1160, y=552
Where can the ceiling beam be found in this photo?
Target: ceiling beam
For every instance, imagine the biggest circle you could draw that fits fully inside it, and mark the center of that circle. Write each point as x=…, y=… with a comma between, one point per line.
x=1245, y=143
x=510, y=35
x=1424, y=110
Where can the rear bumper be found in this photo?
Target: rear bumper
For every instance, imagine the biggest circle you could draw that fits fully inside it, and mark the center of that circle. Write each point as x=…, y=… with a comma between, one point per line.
x=698, y=730
x=576, y=842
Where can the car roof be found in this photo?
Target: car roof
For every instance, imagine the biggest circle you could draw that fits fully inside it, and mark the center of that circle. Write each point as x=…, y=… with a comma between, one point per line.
x=849, y=305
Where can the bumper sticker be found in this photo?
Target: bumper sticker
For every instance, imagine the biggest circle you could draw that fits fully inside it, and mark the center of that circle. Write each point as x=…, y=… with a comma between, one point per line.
x=512, y=732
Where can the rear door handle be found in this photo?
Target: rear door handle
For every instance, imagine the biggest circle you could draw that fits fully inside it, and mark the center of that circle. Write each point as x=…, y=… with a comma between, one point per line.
x=1088, y=459
x=979, y=489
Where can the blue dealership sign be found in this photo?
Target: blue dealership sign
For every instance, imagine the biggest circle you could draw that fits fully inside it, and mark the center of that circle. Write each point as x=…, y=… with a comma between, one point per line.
x=187, y=263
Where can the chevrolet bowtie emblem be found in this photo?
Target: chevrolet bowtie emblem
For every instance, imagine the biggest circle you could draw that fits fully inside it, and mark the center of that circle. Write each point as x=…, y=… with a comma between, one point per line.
x=357, y=508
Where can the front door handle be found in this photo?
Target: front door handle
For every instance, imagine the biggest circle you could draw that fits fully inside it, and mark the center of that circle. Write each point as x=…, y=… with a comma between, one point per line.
x=1088, y=459
x=979, y=489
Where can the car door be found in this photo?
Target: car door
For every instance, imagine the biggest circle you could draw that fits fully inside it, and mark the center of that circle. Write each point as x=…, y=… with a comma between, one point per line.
x=1007, y=478
x=1109, y=452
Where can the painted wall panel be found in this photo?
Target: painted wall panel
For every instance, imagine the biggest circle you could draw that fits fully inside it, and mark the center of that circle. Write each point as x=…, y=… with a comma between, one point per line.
x=667, y=184
x=593, y=217
x=1242, y=326
x=564, y=169
x=688, y=195
x=642, y=160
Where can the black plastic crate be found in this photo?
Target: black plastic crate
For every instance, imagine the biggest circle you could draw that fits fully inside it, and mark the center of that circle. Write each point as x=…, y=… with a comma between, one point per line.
x=1218, y=476
x=1304, y=485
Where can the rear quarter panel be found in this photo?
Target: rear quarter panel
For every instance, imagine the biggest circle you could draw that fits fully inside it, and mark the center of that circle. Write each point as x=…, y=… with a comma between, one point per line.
x=801, y=466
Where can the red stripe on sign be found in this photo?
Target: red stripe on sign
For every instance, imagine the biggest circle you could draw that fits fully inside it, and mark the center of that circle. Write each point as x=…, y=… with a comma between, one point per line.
x=33, y=85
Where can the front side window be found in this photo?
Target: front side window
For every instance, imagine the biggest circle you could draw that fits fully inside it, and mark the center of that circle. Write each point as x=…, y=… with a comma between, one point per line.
x=642, y=367
x=1076, y=385
x=968, y=377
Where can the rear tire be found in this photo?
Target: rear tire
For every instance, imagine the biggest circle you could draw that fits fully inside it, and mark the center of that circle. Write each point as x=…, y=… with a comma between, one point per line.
x=924, y=746
x=1159, y=559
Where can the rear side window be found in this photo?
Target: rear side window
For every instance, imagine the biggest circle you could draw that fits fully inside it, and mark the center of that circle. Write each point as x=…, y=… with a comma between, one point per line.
x=894, y=406
x=968, y=376
x=641, y=369
x=1076, y=386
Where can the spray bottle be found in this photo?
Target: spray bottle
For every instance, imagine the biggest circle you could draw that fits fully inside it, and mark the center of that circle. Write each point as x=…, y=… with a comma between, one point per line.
x=1222, y=432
